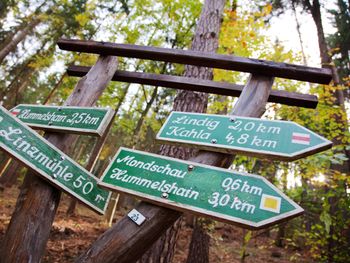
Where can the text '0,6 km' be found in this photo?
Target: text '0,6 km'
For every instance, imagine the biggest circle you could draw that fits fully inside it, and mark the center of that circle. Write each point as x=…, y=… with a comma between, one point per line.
x=283, y=140
x=244, y=199
x=32, y=150
x=82, y=120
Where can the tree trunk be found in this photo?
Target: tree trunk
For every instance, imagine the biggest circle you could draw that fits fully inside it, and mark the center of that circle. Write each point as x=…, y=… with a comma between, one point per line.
x=57, y=85
x=199, y=246
x=30, y=225
x=5, y=162
x=200, y=238
x=18, y=38
x=10, y=176
x=125, y=241
x=205, y=39
x=145, y=112
x=340, y=117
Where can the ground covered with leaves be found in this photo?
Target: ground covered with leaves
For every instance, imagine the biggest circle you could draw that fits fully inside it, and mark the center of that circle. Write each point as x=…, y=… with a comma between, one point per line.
x=71, y=235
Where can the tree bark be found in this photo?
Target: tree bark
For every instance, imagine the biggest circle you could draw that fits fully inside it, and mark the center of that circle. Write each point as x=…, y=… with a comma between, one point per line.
x=206, y=38
x=18, y=38
x=30, y=225
x=199, y=246
x=125, y=242
x=340, y=117
x=9, y=177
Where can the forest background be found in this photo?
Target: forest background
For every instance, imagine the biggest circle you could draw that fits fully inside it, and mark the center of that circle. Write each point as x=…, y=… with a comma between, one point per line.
x=33, y=71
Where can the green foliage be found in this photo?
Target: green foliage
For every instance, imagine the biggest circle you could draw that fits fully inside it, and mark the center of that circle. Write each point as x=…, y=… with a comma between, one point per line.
x=36, y=66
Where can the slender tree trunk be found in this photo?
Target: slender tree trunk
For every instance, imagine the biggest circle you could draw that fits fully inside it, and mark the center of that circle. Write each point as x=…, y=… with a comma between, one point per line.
x=53, y=90
x=20, y=36
x=299, y=33
x=281, y=233
x=145, y=112
x=10, y=176
x=30, y=225
x=340, y=117
x=4, y=164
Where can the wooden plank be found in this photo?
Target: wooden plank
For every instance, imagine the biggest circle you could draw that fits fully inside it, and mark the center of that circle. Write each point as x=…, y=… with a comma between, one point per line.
x=221, y=88
x=255, y=66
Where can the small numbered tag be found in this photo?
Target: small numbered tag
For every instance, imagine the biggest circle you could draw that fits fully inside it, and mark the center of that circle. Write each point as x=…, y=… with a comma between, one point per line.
x=136, y=216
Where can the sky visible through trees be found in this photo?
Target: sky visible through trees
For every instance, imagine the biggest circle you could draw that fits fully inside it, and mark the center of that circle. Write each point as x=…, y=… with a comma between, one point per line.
x=32, y=70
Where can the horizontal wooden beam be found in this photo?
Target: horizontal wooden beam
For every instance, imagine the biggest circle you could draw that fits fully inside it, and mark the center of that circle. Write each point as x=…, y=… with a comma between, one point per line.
x=255, y=66
x=221, y=88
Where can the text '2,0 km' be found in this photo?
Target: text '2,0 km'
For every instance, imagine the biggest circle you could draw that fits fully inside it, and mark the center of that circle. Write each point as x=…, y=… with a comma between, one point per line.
x=83, y=120
x=52, y=164
x=282, y=140
x=244, y=199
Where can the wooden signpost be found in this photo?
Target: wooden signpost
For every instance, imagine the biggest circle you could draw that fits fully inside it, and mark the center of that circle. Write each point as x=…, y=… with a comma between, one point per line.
x=110, y=247
x=53, y=165
x=247, y=200
x=283, y=140
x=82, y=120
x=244, y=199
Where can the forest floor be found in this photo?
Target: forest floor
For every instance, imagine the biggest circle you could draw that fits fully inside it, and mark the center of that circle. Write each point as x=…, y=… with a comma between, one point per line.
x=70, y=236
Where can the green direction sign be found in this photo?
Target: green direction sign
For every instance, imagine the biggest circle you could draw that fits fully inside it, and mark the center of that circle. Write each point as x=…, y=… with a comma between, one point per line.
x=244, y=199
x=282, y=140
x=85, y=120
x=32, y=150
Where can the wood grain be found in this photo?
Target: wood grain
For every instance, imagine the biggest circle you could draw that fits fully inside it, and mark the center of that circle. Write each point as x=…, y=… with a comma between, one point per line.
x=189, y=57
x=30, y=225
x=207, y=86
x=125, y=238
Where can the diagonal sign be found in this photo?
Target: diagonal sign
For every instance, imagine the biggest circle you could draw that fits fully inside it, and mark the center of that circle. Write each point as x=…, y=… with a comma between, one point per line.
x=283, y=140
x=245, y=199
x=83, y=120
x=32, y=150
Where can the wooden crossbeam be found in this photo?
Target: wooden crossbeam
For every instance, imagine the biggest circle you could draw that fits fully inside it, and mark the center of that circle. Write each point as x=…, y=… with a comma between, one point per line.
x=254, y=66
x=221, y=88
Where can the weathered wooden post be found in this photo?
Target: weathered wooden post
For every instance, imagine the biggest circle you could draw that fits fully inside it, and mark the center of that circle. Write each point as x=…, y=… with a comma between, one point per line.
x=30, y=225
x=125, y=242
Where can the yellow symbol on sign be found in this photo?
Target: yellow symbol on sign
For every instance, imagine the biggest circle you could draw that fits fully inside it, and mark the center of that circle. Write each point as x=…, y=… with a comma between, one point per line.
x=270, y=203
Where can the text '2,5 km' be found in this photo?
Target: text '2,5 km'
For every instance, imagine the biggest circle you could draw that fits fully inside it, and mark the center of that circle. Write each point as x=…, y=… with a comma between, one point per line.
x=32, y=150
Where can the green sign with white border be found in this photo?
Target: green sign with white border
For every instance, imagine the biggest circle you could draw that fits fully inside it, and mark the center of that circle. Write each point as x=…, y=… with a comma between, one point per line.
x=245, y=199
x=284, y=140
x=83, y=120
x=27, y=146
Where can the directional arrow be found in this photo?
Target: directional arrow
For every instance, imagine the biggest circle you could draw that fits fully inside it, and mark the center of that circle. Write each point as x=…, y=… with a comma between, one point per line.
x=283, y=140
x=81, y=120
x=244, y=199
x=28, y=147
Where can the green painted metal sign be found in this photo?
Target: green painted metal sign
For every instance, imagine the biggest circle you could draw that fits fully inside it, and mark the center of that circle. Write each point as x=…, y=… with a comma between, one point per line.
x=84, y=120
x=244, y=199
x=32, y=150
x=282, y=140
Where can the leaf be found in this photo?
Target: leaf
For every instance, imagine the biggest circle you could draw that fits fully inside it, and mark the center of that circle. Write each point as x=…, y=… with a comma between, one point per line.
x=327, y=220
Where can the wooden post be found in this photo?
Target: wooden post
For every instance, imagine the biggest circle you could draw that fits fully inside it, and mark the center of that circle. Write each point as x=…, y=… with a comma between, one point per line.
x=125, y=242
x=30, y=225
